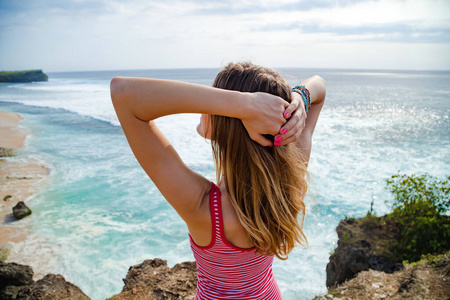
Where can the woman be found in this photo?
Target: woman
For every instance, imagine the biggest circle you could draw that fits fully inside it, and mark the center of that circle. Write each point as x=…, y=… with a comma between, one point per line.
x=261, y=139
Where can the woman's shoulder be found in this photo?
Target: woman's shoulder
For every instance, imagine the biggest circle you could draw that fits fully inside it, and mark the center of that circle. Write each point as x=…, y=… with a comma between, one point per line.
x=199, y=223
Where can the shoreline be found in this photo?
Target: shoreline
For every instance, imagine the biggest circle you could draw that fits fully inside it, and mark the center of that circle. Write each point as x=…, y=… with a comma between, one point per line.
x=21, y=178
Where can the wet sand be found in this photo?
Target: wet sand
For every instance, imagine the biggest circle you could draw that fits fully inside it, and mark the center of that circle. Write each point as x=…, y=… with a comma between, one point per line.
x=21, y=177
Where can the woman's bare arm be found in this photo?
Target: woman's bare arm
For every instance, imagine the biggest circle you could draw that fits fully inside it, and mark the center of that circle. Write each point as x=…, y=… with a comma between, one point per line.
x=317, y=88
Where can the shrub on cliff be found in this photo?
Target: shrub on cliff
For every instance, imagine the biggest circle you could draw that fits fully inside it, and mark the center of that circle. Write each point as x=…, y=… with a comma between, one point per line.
x=419, y=208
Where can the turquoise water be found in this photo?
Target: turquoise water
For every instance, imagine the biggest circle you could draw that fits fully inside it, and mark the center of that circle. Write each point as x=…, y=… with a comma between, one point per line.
x=100, y=214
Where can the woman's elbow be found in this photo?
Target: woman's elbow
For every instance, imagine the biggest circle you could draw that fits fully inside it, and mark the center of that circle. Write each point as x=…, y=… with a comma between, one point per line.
x=117, y=88
x=317, y=88
x=322, y=90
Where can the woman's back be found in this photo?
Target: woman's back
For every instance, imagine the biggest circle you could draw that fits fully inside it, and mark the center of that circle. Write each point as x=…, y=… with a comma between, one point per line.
x=235, y=233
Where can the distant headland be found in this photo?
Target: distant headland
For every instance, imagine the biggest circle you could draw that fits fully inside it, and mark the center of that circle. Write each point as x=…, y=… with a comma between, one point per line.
x=23, y=76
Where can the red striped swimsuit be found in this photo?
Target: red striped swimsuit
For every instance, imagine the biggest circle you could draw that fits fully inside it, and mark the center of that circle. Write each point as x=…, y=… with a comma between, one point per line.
x=228, y=272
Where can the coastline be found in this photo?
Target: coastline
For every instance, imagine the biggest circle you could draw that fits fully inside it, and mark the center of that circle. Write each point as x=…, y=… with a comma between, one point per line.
x=21, y=177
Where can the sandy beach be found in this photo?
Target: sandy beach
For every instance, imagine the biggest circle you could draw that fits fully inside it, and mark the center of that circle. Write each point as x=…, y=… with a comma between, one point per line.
x=21, y=177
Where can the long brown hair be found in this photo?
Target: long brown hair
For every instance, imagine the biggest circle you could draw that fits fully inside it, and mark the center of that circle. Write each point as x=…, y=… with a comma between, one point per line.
x=266, y=185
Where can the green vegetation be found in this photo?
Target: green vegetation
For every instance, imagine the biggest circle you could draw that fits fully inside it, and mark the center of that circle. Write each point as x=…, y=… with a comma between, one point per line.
x=349, y=218
x=370, y=220
x=23, y=76
x=4, y=254
x=346, y=236
x=419, y=208
x=434, y=260
x=7, y=197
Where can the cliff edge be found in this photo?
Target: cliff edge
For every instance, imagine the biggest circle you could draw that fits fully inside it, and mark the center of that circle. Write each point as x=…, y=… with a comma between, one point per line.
x=16, y=283
x=428, y=278
x=153, y=279
x=363, y=244
x=150, y=280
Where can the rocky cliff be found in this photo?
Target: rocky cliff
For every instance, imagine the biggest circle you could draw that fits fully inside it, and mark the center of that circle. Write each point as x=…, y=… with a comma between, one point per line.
x=153, y=279
x=426, y=279
x=363, y=244
x=150, y=280
x=23, y=76
x=16, y=283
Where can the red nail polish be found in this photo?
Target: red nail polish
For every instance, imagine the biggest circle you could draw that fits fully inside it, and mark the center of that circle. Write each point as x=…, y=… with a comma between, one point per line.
x=277, y=143
x=286, y=115
x=283, y=131
x=278, y=138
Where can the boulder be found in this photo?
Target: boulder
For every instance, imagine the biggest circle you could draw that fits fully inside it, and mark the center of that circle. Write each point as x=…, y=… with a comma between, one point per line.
x=51, y=287
x=15, y=274
x=20, y=211
x=153, y=279
x=12, y=277
x=363, y=244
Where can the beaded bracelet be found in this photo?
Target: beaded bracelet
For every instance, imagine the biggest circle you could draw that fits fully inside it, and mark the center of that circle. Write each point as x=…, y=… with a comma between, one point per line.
x=303, y=91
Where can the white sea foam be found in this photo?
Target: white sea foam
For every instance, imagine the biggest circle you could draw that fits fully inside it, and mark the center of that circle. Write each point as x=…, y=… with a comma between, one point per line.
x=52, y=86
x=86, y=99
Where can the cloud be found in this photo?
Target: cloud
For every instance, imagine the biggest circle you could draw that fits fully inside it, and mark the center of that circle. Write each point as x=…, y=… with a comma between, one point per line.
x=395, y=32
x=259, y=7
x=399, y=21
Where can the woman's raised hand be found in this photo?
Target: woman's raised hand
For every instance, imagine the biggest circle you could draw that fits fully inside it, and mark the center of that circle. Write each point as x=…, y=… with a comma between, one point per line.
x=296, y=115
x=267, y=114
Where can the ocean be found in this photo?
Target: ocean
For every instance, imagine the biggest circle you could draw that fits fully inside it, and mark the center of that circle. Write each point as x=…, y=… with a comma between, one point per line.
x=100, y=214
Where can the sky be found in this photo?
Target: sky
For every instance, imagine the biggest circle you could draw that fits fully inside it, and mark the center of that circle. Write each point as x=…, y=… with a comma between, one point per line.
x=82, y=35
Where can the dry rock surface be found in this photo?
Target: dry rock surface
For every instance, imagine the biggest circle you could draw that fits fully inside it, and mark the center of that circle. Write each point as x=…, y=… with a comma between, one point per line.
x=427, y=279
x=51, y=287
x=153, y=279
x=150, y=280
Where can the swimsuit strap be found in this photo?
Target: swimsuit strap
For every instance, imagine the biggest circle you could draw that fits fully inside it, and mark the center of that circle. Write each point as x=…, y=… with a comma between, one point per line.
x=215, y=205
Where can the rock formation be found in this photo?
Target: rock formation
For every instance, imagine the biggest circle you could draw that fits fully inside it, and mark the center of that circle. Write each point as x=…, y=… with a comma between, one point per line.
x=150, y=280
x=363, y=244
x=20, y=211
x=16, y=282
x=23, y=76
x=427, y=279
x=15, y=274
x=153, y=279
x=12, y=277
x=51, y=287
